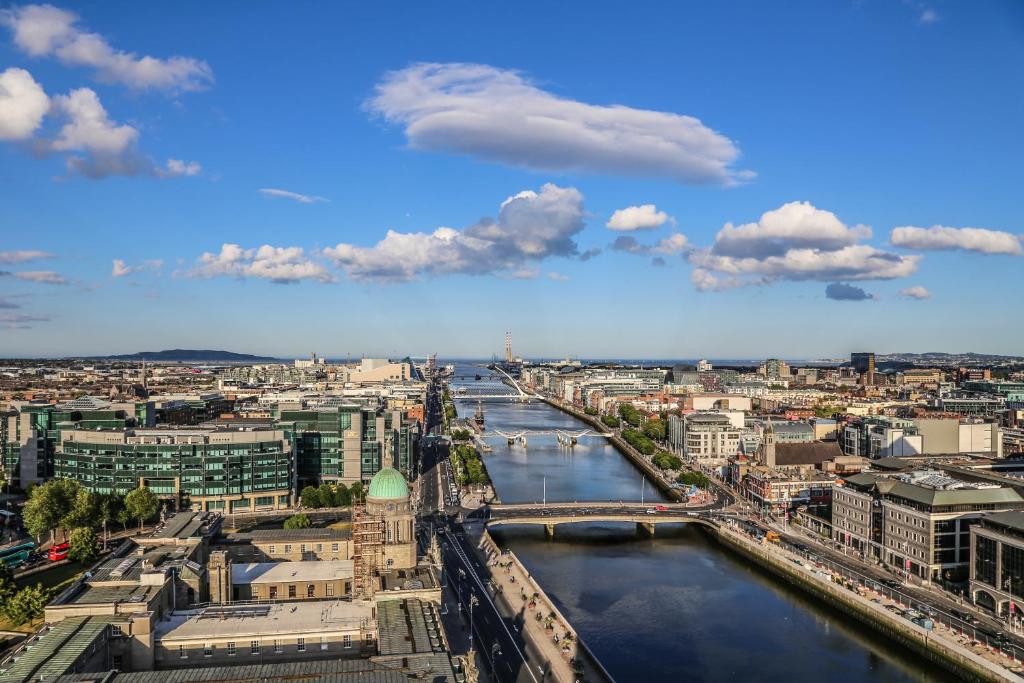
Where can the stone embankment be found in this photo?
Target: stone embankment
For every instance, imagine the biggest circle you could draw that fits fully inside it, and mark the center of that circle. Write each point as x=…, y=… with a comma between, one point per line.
x=940, y=648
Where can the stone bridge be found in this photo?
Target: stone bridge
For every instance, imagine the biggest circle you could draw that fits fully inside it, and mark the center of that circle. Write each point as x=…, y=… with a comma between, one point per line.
x=645, y=516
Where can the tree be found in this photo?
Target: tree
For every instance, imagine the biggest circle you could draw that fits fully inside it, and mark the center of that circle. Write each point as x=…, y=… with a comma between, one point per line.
x=310, y=497
x=7, y=585
x=299, y=521
x=111, y=505
x=84, y=512
x=123, y=517
x=326, y=495
x=141, y=504
x=610, y=420
x=357, y=491
x=83, y=545
x=26, y=605
x=590, y=411
x=655, y=429
x=49, y=505
x=342, y=496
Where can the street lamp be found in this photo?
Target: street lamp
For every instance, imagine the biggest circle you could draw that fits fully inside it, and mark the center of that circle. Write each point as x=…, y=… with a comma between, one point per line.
x=473, y=602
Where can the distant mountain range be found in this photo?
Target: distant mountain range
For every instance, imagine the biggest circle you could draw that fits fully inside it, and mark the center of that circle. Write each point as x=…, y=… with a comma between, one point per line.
x=177, y=355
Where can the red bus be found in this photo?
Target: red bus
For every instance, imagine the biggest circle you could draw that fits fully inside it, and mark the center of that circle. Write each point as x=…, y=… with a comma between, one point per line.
x=58, y=552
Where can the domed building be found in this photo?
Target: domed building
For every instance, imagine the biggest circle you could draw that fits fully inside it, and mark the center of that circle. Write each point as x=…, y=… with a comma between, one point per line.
x=388, y=499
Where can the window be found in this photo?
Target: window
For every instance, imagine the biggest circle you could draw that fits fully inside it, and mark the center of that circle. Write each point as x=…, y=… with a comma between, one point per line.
x=310, y=590
x=346, y=641
x=319, y=547
x=272, y=549
x=287, y=548
x=255, y=592
x=254, y=647
x=115, y=630
x=329, y=589
x=273, y=592
x=182, y=652
x=207, y=650
x=302, y=548
x=291, y=590
x=118, y=662
x=231, y=648
x=277, y=646
x=302, y=645
x=323, y=642
x=334, y=547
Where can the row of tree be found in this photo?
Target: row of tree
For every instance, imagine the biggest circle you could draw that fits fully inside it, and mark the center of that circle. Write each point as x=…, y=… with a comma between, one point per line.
x=331, y=496
x=639, y=441
x=65, y=505
x=20, y=606
x=666, y=461
x=468, y=466
x=698, y=479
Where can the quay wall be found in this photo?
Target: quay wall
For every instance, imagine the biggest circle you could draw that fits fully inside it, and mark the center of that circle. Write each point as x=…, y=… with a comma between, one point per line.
x=582, y=648
x=963, y=663
x=631, y=454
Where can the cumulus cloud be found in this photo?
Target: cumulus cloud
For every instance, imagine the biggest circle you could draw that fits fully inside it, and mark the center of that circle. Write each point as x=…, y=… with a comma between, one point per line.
x=23, y=104
x=295, y=196
x=795, y=242
x=706, y=281
x=643, y=217
x=95, y=145
x=916, y=292
x=530, y=227
x=122, y=269
x=281, y=265
x=939, y=237
x=24, y=255
x=558, y=277
x=500, y=115
x=48, y=277
x=47, y=31
x=838, y=291
x=792, y=226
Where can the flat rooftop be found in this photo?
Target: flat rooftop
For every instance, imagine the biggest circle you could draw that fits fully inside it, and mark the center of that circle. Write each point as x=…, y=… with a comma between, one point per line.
x=256, y=621
x=290, y=535
x=102, y=595
x=296, y=572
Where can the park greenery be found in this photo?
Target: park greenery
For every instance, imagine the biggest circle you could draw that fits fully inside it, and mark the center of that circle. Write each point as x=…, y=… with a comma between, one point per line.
x=329, y=496
x=638, y=441
x=666, y=461
x=62, y=505
x=299, y=521
x=461, y=435
x=698, y=479
x=826, y=411
x=469, y=469
x=590, y=411
x=83, y=545
x=655, y=430
x=610, y=421
x=630, y=414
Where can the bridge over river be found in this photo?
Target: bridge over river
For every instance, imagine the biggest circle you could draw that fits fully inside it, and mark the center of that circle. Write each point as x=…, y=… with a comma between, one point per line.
x=645, y=516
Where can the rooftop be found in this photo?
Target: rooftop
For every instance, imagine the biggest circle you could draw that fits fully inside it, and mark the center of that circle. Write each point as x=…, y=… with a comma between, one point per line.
x=291, y=535
x=56, y=650
x=278, y=619
x=284, y=572
x=1011, y=520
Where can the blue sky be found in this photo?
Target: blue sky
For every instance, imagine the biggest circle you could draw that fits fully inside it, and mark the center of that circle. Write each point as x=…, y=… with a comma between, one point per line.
x=146, y=132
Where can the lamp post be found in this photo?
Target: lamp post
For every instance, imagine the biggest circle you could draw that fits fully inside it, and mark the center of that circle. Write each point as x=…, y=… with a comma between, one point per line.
x=473, y=602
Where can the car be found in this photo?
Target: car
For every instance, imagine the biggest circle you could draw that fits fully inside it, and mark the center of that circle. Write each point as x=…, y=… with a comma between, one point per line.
x=965, y=617
x=892, y=583
x=652, y=511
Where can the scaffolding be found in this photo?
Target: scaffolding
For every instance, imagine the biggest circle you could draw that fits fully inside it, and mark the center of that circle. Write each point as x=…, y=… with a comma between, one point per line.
x=368, y=533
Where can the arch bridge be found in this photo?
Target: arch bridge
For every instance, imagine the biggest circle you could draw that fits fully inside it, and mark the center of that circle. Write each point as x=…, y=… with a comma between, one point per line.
x=645, y=516
x=565, y=437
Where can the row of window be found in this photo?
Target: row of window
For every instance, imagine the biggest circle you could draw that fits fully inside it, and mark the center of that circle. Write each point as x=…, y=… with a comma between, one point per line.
x=293, y=592
x=277, y=646
x=303, y=547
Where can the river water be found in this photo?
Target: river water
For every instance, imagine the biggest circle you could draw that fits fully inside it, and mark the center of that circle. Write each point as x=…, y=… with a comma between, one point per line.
x=677, y=607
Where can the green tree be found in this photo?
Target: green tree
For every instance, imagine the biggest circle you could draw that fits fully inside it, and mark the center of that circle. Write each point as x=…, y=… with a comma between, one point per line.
x=49, y=505
x=83, y=546
x=342, y=496
x=698, y=479
x=654, y=429
x=358, y=491
x=461, y=435
x=310, y=497
x=84, y=512
x=123, y=517
x=26, y=605
x=630, y=414
x=610, y=421
x=590, y=411
x=326, y=495
x=299, y=521
x=7, y=585
x=141, y=504
x=666, y=461
x=111, y=505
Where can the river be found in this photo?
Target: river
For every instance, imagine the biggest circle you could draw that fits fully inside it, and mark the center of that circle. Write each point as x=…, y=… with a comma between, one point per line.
x=677, y=607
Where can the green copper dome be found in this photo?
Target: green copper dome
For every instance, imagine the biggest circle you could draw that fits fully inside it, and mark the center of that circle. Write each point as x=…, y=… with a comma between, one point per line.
x=388, y=483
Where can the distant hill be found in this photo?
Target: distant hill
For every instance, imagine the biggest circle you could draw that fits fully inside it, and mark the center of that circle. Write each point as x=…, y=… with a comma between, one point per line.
x=175, y=355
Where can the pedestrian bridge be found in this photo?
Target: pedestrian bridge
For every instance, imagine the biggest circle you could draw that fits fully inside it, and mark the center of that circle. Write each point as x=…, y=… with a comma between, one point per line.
x=645, y=516
x=564, y=436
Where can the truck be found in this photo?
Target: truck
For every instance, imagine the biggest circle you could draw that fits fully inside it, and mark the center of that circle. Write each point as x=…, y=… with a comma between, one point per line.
x=772, y=537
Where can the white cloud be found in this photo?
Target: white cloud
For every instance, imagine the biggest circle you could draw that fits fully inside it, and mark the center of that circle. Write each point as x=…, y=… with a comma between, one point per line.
x=928, y=16
x=89, y=128
x=23, y=104
x=795, y=242
x=24, y=256
x=531, y=226
x=706, y=281
x=47, y=31
x=916, y=292
x=122, y=269
x=939, y=237
x=643, y=217
x=282, y=265
x=558, y=277
x=676, y=243
x=48, y=277
x=499, y=115
x=285, y=194
x=177, y=167
x=791, y=226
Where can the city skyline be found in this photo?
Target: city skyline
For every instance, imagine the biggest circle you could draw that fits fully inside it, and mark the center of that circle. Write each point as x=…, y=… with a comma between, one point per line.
x=818, y=179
